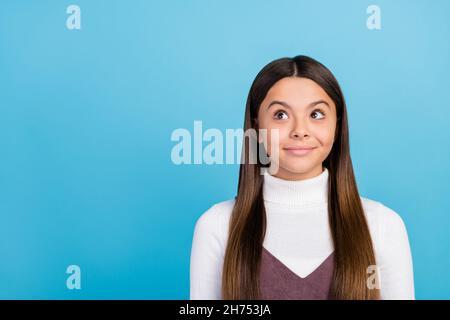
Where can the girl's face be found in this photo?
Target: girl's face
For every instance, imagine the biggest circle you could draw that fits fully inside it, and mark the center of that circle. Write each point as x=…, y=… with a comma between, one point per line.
x=306, y=118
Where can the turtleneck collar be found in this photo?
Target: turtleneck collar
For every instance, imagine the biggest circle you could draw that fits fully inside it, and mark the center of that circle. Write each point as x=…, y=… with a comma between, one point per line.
x=296, y=192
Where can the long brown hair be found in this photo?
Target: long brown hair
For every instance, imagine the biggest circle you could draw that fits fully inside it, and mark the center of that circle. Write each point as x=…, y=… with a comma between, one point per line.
x=353, y=249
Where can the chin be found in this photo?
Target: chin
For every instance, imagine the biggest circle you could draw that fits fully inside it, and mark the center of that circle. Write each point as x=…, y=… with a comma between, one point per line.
x=297, y=169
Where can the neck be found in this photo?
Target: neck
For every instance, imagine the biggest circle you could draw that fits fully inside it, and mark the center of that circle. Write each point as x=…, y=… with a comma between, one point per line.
x=287, y=175
x=312, y=190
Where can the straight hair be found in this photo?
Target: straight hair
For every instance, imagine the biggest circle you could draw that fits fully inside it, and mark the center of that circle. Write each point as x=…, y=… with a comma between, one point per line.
x=353, y=248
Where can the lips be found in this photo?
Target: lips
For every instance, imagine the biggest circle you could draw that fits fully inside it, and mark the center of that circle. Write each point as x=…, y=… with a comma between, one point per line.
x=299, y=148
x=299, y=151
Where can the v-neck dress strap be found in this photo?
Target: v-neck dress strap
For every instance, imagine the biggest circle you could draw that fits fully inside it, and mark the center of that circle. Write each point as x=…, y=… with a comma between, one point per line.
x=278, y=282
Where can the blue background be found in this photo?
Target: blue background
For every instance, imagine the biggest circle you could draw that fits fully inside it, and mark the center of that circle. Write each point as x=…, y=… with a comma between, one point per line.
x=86, y=117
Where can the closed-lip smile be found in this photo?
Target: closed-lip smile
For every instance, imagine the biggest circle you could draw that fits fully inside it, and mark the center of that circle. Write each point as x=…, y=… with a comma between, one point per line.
x=299, y=151
x=299, y=148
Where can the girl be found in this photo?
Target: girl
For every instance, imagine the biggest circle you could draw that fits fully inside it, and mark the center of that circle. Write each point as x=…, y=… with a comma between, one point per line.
x=302, y=232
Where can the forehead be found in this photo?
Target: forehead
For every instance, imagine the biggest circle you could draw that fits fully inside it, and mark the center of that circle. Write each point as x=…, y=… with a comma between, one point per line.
x=296, y=92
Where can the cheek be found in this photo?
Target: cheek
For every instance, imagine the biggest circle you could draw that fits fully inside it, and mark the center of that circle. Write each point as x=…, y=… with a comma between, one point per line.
x=265, y=125
x=326, y=137
x=283, y=136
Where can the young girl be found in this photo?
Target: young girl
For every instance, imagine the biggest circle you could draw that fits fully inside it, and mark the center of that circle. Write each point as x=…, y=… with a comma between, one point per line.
x=302, y=232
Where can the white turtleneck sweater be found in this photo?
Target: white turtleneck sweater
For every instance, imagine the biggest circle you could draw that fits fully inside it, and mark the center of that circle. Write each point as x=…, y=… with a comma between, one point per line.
x=298, y=235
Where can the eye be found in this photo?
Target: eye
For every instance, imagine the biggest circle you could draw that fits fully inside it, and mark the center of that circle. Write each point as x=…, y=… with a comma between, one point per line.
x=279, y=115
x=318, y=111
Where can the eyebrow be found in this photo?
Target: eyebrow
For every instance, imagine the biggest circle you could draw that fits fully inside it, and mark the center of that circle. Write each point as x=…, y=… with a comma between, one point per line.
x=312, y=104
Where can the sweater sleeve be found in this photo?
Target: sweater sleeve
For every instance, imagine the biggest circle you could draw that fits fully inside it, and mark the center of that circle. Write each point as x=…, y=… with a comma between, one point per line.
x=395, y=265
x=206, y=257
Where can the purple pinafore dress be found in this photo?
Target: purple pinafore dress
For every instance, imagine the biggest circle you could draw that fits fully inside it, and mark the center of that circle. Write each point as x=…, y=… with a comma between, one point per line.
x=278, y=282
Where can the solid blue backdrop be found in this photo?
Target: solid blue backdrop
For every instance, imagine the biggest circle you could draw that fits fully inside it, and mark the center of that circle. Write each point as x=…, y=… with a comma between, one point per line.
x=86, y=117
